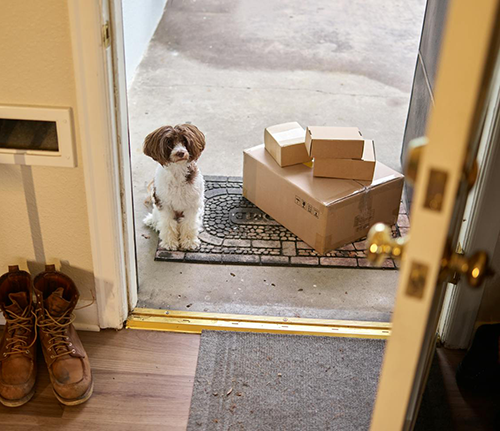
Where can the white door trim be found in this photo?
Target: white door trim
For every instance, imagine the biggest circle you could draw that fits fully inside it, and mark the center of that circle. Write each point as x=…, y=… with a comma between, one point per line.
x=480, y=231
x=100, y=158
x=118, y=82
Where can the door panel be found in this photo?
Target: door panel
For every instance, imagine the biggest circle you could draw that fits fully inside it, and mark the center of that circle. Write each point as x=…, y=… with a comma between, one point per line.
x=439, y=199
x=424, y=79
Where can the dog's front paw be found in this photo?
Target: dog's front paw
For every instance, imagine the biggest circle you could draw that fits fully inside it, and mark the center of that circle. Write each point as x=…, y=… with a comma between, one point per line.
x=169, y=244
x=150, y=221
x=190, y=243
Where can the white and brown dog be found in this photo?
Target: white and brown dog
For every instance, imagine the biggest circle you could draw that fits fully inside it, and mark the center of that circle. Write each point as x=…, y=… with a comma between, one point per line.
x=178, y=188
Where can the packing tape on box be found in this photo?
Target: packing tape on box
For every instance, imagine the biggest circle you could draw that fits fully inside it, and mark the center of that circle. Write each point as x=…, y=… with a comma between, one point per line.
x=362, y=222
x=289, y=135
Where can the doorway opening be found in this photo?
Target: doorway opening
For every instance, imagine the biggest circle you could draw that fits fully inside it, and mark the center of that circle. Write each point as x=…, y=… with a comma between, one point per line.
x=235, y=68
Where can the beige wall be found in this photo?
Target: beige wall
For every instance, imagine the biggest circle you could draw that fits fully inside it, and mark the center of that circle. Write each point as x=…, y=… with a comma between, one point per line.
x=43, y=212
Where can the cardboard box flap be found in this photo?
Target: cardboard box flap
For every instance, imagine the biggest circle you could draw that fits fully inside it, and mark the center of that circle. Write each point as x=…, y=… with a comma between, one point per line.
x=369, y=151
x=287, y=133
x=324, y=190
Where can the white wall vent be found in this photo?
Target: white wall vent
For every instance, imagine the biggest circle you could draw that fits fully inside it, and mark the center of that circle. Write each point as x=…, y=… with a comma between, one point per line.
x=36, y=136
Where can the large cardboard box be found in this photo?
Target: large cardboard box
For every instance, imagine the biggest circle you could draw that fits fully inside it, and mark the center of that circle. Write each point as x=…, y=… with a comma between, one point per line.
x=325, y=213
x=350, y=169
x=286, y=143
x=334, y=142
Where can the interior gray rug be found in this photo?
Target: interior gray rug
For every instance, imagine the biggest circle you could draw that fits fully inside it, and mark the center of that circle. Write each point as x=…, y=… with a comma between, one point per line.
x=270, y=382
x=235, y=231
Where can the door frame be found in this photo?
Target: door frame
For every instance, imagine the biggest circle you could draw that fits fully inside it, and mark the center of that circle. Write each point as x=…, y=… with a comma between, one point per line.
x=480, y=231
x=105, y=177
x=102, y=113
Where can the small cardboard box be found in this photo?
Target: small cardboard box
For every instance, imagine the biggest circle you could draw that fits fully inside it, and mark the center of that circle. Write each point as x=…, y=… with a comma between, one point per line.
x=350, y=169
x=334, y=142
x=325, y=213
x=286, y=143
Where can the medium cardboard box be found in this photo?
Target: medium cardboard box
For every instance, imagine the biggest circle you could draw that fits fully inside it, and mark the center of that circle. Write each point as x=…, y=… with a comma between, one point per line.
x=286, y=143
x=350, y=169
x=325, y=213
x=334, y=142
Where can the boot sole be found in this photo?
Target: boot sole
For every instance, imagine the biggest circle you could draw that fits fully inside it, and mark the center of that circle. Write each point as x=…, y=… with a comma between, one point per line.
x=17, y=403
x=81, y=400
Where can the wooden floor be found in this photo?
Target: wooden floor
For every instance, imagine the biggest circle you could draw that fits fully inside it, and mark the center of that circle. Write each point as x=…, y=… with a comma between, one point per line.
x=144, y=381
x=470, y=411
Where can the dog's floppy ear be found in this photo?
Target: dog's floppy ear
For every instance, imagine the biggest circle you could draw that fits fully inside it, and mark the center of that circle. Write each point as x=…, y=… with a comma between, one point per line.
x=157, y=144
x=195, y=140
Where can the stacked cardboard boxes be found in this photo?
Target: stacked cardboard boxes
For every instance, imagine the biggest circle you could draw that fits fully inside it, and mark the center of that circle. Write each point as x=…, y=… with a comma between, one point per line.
x=340, y=152
x=324, y=212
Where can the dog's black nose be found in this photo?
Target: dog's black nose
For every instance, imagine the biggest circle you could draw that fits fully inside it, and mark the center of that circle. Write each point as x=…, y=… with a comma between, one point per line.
x=180, y=153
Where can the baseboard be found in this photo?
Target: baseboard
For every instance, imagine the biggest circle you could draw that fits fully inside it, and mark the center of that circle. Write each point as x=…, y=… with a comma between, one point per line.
x=87, y=318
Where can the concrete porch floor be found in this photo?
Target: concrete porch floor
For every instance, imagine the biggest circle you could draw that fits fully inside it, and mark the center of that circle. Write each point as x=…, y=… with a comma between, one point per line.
x=235, y=67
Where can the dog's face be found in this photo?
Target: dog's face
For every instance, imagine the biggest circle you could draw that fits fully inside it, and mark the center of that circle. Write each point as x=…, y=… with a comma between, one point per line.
x=182, y=143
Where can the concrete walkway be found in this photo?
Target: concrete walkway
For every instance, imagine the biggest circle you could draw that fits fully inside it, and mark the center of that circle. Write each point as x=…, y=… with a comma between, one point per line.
x=234, y=67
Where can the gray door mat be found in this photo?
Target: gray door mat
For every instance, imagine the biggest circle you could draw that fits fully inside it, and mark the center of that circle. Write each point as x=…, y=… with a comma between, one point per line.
x=248, y=381
x=237, y=232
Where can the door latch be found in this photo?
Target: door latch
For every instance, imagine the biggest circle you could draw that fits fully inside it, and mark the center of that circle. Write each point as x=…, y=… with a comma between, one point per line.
x=474, y=268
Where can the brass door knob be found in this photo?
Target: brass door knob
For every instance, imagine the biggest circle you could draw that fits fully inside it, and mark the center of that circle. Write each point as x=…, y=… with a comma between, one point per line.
x=475, y=268
x=382, y=245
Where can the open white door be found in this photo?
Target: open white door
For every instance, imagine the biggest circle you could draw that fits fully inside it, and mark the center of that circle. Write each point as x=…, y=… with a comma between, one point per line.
x=445, y=171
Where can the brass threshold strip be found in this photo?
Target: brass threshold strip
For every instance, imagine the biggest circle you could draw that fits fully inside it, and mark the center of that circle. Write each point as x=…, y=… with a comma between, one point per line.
x=195, y=322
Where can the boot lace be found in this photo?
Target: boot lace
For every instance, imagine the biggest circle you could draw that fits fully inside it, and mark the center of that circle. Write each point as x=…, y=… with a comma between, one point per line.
x=17, y=341
x=59, y=344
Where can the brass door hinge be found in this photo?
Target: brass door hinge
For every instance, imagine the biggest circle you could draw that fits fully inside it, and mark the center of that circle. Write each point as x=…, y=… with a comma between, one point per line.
x=454, y=276
x=106, y=34
x=415, y=151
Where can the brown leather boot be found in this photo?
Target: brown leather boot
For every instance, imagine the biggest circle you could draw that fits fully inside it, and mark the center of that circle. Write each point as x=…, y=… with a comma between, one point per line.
x=18, y=344
x=66, y=359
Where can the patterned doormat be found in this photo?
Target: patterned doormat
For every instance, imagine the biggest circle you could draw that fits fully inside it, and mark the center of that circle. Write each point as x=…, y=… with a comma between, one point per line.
x=237, y=232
